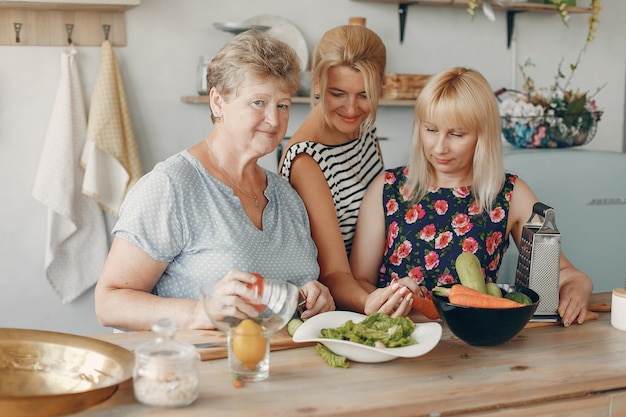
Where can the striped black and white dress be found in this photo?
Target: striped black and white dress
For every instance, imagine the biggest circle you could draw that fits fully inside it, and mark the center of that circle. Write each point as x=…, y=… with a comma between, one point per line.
x=348, y=168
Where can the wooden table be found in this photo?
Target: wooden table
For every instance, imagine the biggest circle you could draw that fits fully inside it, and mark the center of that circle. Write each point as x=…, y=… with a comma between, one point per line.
x=544, y=371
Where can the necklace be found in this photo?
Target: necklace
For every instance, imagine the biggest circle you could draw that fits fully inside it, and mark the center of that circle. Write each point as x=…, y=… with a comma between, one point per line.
x=252, y=196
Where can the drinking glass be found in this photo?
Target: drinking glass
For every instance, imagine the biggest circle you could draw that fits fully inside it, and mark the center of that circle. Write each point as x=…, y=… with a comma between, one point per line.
x=249, y=338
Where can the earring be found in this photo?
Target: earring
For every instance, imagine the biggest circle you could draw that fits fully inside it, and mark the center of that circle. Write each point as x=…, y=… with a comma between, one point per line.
x=317, y=95
x=218, y=119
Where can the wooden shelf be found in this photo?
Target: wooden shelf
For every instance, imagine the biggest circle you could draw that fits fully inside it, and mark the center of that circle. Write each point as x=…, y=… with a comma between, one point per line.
x=511, y=9
x=45, y=22
x=304, y=100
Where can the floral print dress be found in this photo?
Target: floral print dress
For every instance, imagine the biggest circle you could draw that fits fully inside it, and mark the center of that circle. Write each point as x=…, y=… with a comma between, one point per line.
x=424, y=239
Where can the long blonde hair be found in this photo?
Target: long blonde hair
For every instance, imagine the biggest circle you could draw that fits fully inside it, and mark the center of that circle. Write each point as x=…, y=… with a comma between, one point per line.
x=358, y=48
x=466, y=96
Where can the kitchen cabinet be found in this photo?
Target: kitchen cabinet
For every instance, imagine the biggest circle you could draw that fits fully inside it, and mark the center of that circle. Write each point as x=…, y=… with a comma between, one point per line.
x=304, y=100
x=511, y=9
x=57, y=22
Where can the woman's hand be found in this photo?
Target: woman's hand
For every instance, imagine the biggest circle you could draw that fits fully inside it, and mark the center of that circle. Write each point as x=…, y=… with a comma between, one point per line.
x=318, y=299
x=574, y=296
x=232, y=297
x=395, y=300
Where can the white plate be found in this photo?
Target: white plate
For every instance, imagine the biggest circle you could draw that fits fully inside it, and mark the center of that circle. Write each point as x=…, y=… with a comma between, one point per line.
x=427, y=336
x=285, y=31
x=238, y=27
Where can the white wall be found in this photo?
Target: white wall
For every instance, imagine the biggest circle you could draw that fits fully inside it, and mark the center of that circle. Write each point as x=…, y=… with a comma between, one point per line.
x=165, y=39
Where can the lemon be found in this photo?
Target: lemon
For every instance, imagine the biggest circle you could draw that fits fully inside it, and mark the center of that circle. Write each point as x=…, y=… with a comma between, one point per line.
x=249, y=343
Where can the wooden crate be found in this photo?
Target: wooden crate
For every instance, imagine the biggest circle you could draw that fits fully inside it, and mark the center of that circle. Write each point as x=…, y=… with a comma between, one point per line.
x=403, y=86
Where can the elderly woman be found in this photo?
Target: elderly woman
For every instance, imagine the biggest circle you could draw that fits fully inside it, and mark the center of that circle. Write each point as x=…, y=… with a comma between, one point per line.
x=210, y=214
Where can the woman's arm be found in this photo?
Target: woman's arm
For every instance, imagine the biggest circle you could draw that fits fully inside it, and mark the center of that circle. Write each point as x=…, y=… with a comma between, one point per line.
x=123, y=296
x=575, y=287
x=367, y=254
x=308, y=180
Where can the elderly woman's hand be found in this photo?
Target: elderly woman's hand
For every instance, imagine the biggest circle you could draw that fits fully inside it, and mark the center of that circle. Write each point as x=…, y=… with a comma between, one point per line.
x=232, y=297
x=318, y=299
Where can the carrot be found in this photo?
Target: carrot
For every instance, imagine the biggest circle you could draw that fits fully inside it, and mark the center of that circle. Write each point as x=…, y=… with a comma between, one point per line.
x=464, y=296
x=425, y=306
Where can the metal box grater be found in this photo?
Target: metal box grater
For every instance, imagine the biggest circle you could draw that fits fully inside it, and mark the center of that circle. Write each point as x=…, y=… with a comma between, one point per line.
x=539, y=261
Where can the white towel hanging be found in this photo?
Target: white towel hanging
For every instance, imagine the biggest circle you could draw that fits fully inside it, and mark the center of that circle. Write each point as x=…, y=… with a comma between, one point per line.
x=77, y=242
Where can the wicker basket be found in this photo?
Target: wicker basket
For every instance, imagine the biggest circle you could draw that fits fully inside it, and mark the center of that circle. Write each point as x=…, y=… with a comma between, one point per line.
x=403, y=86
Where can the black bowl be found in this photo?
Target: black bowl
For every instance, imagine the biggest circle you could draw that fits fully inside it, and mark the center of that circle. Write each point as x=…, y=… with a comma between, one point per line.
x=486, y=326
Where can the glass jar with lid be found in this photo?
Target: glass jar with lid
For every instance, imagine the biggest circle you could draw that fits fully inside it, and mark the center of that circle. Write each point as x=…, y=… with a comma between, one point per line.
x=165, y=373
x=201, y=85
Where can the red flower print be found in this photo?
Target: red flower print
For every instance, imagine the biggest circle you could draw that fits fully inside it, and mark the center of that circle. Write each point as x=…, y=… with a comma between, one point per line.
x=494, y=263
x=441, y=207
x=394, y=276
x=428, y=232
x=461, y=192
x=404, y=249
x=508, y=196
x=513, y=179
x=392, y=206
x=460, y=231
x=473, y=210
x=460, y=220
x=405, y=193
x=445, y=279
x=392, y=234
x=469, y=245
x=395, y=259
x=414, y=213
x=492, y=242
x=442, y=240
x=433, y=189
x=431, y=260
x=416, y=274
x=497, y=214
x=390, y=178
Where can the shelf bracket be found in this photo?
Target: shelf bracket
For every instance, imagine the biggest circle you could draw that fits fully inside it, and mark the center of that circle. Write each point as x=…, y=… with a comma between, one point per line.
x=510, y=26
x=403, y=8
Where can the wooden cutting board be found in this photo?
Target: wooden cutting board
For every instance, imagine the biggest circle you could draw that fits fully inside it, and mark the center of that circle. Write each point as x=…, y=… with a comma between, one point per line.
x=217, y=340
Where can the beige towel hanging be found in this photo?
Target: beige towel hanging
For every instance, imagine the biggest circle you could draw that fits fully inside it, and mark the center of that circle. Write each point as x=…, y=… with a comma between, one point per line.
x=110, y=157
x=77, y=236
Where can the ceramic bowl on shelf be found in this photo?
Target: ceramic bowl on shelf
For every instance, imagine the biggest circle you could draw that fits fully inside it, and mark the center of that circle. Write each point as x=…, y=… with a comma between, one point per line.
x=235, y=28
x=550, y=131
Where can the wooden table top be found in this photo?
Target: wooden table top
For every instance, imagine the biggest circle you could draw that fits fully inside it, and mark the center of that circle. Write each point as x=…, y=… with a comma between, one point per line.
x=546, y=368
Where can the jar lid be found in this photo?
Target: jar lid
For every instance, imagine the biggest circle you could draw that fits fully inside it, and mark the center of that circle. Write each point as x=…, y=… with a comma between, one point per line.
x=164, y=349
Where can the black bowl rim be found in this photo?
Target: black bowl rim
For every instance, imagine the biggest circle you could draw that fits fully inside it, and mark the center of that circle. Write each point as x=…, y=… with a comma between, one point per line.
x=505, y=287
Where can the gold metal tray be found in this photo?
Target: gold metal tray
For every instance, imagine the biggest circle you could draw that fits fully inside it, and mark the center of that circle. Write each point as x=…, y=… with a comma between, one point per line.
x=47, y=374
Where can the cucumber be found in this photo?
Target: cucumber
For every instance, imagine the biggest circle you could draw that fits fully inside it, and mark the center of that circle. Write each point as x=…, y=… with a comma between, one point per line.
x=469, y=271
x=519, y=297
x=493, y=289
x=293, y=325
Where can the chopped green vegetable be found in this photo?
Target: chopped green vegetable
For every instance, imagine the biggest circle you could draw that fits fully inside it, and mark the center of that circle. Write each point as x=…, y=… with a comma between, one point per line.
x=332, y=359
x=519, y=297
x=293, y=325
x=375, y=329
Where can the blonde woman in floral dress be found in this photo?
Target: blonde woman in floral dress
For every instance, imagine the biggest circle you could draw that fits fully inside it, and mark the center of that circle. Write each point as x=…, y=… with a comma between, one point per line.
x=453, y=197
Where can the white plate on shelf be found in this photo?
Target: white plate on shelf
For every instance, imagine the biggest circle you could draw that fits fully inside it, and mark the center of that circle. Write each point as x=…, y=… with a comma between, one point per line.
x=427, y=336
x=236, y=28
x=285, y=31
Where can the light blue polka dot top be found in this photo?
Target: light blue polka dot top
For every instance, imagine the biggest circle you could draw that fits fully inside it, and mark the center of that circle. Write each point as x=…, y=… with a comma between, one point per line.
x=180, y=214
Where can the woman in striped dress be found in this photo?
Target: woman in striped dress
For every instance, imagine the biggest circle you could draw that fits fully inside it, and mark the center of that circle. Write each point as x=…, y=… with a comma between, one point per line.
x=334, y=155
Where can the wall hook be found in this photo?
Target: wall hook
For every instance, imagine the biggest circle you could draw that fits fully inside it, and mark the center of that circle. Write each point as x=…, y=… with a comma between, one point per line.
x=106, y=29
x=17, y=27
x=69, y=28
